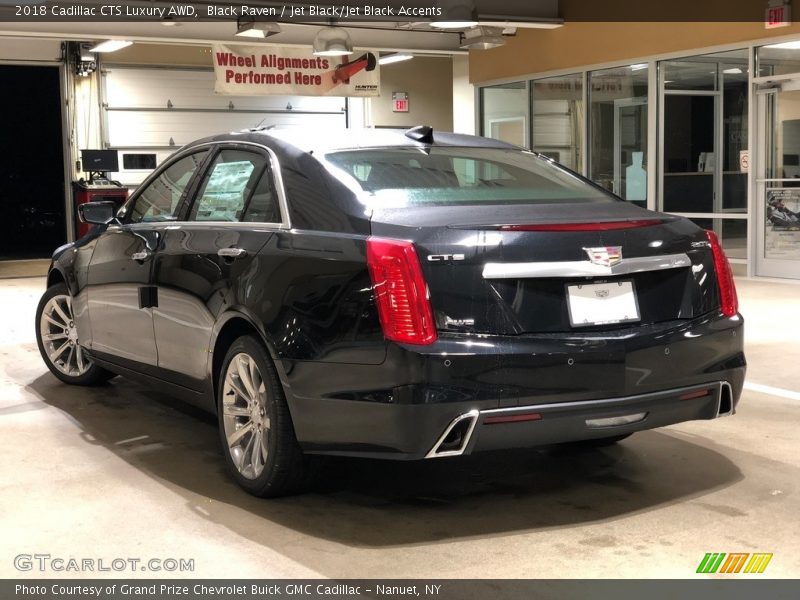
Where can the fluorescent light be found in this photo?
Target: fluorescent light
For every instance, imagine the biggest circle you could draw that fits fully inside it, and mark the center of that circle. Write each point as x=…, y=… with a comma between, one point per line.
x=110, y=46
x=733, y=71
x=795, y=45
x=453, y=24
x=257, y=29
x=393, y=58
x=454, y=14
x=482, y=38
x=638, y=66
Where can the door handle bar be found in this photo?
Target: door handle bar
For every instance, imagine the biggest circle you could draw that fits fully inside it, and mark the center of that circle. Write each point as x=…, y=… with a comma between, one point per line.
x=231, y=252
x=141, y=256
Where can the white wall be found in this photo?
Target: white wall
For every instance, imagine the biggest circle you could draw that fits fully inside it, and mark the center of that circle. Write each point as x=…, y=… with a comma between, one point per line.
x=463, y=97
x=428, y=80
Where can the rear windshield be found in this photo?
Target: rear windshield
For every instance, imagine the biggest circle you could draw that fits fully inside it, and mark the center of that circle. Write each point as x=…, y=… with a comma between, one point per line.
x=397, y=177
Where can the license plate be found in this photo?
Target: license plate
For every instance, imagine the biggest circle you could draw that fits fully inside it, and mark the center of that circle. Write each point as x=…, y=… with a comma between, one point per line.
x=602, y=303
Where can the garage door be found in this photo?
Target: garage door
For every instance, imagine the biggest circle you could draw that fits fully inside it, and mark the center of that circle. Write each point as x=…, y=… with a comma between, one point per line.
x=150, y=112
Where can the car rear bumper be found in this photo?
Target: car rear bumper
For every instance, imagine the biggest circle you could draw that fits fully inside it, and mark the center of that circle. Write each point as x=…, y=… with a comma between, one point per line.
x=465, y=394
x=571, y=421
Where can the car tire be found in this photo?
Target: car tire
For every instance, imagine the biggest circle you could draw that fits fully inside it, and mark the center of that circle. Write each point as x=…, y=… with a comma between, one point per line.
x=59, y=345
x=258, y=439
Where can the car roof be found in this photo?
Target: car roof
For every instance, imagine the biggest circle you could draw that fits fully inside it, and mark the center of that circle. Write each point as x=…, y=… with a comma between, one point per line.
x=320, y=141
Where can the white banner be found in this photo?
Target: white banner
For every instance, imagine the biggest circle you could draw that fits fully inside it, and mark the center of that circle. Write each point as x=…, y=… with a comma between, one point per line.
x=273, y=70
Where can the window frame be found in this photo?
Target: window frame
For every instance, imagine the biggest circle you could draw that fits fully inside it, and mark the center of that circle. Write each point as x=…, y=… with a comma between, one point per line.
x=273, y=165
x=265, y=170
x=188, y=191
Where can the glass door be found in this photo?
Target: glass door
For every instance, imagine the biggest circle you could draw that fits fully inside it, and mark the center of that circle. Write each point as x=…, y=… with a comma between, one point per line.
x=691, y=153
x=703, y=128
x=778, y=180
x=630, y=142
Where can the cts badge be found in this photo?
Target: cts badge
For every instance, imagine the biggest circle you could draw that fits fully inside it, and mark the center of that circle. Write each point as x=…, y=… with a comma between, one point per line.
x=605, y=256
x=444, y=257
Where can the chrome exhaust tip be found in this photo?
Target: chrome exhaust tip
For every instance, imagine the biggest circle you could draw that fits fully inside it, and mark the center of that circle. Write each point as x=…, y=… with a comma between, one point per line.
x=455, y=438
x=725, y=403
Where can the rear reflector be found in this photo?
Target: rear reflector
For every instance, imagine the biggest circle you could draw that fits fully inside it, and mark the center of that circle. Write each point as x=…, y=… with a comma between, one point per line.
x=728, y=300
x=401, y=293
x=601, y=226
x=693, y=395
x=511, y=418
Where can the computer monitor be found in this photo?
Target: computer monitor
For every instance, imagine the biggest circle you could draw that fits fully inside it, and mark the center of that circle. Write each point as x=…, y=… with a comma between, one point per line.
x=99, y=161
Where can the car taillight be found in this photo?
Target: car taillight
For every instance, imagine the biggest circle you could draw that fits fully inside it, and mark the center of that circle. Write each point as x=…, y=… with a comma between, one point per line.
x=400, y=291
x=729, y=302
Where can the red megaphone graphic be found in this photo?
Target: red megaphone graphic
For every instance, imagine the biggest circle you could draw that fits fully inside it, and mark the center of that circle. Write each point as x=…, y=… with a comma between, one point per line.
x=346, y=70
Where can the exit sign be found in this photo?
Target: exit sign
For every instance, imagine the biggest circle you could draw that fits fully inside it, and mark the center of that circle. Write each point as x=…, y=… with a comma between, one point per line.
x=778, y=14
x=400, y=102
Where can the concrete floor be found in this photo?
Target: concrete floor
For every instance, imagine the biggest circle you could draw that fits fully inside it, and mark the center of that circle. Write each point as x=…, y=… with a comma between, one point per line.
x=120, y=471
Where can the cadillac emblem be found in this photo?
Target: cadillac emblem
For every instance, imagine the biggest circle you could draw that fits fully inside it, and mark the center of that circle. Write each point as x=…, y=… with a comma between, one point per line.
x=605, y=256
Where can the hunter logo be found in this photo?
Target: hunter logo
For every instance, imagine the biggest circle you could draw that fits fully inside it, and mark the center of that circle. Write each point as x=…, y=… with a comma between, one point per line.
x=734, y=562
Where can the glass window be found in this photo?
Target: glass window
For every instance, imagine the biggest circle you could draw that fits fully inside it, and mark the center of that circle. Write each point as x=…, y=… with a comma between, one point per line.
x=734, y=238
x=227, y=186
x=705, y=95
x=694, y=73
x=735, y=88
x=618, y=131
x=161, y=199
x=557, y=109
x=504, y=112
x=462, y=176
x=263, y=205
x=778, y=59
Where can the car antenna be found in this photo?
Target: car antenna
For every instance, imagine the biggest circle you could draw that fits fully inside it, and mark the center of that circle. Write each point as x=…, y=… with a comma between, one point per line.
x=421, y=133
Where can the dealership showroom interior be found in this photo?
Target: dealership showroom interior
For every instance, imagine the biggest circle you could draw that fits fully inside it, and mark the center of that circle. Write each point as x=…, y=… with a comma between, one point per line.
x=429, y=289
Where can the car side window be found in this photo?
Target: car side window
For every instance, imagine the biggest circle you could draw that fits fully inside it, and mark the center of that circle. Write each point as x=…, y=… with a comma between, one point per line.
x=161, y=199
x=228, y=185
x=263, y=205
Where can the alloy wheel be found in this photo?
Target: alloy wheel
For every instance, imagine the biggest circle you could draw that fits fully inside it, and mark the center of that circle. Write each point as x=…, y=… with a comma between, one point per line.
x=245, y=416
x=60, y=337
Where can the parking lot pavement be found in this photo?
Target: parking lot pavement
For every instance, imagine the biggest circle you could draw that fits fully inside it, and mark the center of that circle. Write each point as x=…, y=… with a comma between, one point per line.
x=123, y=471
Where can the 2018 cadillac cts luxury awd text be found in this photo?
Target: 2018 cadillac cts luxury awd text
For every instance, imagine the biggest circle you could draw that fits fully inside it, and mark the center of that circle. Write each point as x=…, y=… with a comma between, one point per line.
x=403, y=295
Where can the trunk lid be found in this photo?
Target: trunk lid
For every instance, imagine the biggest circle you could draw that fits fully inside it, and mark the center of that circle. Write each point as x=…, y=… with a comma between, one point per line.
x=487, y=276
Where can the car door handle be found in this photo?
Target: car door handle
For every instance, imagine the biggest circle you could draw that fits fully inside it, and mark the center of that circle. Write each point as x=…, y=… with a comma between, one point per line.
x=231, y=252
x=141, y=256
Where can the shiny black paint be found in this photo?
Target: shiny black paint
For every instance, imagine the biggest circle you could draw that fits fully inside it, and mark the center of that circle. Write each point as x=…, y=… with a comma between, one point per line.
x=307, y=293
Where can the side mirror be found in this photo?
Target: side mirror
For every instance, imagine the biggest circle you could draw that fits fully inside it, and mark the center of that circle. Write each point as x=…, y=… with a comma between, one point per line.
x=96, y=213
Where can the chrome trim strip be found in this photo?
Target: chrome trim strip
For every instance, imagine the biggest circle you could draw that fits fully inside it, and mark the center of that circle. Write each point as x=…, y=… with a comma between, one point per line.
x=277, y=177
x=473, y=414
x=584, y=268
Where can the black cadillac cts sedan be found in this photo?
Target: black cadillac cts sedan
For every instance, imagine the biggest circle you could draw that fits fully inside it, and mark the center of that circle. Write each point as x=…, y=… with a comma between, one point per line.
x=394, y=294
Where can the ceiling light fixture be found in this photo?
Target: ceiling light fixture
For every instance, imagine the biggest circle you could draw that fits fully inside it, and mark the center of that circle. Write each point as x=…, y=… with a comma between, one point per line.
x=332, y=41
x=110, y=46
x=795, y=45
x=394, y=57
x=508, y=23
x=482, y=38
x=638, y=66
x=455, y=14
x=256, y=29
